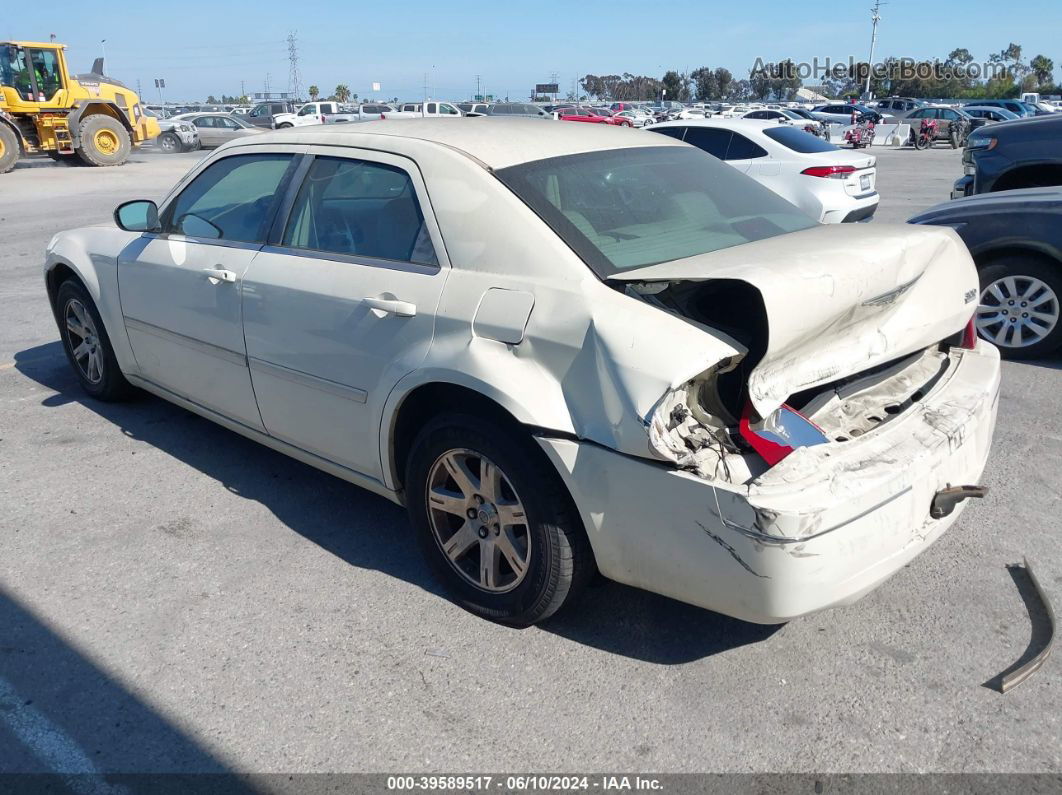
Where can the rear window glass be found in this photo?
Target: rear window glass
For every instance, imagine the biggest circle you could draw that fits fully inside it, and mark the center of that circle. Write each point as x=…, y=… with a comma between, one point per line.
x=627, y=208
x=798, y=140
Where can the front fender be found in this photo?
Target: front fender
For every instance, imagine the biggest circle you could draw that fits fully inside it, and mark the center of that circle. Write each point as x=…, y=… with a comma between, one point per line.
x=92, y=254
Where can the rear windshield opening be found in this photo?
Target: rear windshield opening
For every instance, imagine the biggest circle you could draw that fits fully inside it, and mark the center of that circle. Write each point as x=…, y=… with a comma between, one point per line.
x=627, y=208
x=798, y=140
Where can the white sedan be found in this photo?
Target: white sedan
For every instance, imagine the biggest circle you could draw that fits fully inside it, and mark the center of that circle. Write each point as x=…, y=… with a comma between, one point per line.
x=831, y=185
x=563, y=348
x=638, y=118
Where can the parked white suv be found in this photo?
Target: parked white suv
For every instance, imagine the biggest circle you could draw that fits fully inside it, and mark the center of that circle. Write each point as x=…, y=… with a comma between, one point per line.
x=565, y=348
x=831, y=185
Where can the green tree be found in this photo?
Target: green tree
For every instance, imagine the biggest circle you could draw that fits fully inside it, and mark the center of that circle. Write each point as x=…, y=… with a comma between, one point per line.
x=314, y=92
x=724, y=82
x=342, y=93
x=1043, y=69
x=705, y=86
x=672, y=83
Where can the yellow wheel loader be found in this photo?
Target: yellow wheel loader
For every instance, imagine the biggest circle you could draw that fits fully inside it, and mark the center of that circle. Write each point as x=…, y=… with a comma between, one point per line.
x=45, y=110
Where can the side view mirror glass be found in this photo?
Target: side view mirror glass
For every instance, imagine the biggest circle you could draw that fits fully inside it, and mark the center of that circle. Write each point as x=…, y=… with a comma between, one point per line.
x=138, y=216
x=195, y=226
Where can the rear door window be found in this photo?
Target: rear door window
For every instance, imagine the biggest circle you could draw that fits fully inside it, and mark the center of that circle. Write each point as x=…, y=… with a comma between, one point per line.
x=361, y=209
x=741, y=148
x=713, y=140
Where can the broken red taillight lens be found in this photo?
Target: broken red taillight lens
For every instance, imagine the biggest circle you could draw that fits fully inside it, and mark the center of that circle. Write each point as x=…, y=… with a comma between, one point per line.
x=782, y=432
x=829, y=172
x=969, y=335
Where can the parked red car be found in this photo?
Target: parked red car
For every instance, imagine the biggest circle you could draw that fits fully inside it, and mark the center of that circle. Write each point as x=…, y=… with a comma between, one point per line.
x=580, y=114
x=591, y=116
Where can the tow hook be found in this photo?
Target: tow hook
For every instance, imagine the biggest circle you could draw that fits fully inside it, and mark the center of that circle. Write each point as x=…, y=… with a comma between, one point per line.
x=946, y=499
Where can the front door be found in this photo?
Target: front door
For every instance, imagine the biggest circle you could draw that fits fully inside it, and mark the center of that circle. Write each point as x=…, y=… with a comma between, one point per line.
x=344, y=305
x=180, y=289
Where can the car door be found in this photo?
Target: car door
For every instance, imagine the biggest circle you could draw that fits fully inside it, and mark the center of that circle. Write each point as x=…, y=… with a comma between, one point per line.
x=260, y=116
x=209, y=134
x=180, y=288
x=342, y=303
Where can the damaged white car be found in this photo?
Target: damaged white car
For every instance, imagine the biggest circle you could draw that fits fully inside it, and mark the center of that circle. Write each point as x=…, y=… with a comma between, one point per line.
x=563, y=349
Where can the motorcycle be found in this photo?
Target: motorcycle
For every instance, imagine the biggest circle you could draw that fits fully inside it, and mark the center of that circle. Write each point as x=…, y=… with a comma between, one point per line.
x=860, y=136
x=927, y=133
x=819, y=129
x=958, y=132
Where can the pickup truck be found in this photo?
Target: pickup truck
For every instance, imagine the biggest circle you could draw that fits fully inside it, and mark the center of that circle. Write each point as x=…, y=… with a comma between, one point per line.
x=312, y=113
x=424, y=110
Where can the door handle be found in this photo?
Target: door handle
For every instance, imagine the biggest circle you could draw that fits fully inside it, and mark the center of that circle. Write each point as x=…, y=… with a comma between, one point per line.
x=392, y=306
x=217, y=275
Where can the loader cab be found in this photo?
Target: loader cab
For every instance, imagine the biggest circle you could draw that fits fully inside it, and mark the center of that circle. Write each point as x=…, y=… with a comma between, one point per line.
x=31, y=74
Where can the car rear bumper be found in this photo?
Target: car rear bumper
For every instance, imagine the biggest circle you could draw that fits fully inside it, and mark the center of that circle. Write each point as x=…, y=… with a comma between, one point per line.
x=822, y=528
x=848, y=209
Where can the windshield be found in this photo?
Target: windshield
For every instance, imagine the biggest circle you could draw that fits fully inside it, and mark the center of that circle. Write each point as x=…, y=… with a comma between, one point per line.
x=627, y=208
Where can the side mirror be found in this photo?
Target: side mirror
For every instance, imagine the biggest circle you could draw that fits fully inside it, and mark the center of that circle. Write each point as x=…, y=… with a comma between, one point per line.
x=138, y=216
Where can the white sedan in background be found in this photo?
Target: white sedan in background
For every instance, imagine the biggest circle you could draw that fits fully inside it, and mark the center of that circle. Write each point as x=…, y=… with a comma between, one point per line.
x=831, y=185
x=638, y=118
x=564, y=348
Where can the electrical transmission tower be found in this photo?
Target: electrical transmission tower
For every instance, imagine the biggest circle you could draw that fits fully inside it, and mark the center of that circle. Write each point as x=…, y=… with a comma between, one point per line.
x=293, y=60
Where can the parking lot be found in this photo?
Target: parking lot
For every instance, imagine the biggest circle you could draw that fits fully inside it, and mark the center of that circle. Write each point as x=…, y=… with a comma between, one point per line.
x=174, y=597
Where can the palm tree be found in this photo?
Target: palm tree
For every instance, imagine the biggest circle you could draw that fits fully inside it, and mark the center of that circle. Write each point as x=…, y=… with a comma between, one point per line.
x=1042, y=67
x=342, y=93
x=315, y=92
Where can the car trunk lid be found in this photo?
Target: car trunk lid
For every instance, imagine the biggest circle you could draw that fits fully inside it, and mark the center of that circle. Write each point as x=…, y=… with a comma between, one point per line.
x=837, y=300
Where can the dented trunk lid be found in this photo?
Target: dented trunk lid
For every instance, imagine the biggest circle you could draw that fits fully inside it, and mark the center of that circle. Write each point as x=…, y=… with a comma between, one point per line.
x=839, y=299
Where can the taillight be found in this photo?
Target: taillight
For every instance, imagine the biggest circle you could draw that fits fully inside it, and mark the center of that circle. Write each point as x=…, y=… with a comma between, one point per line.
x=383, y=115
x=829, y=172
x=782, y=432
x=969, y=335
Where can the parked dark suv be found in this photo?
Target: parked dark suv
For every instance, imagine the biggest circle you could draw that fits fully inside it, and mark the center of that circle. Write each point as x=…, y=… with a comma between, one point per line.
x=261, y=115
x=1026, y=153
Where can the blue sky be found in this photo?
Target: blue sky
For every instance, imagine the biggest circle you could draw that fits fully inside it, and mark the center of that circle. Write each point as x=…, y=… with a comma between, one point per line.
x=209, y=48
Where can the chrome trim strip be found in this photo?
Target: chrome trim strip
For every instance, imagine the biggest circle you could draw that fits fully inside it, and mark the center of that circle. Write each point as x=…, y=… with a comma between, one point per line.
x=333, y=388
x=370, y=262
x=233, y=357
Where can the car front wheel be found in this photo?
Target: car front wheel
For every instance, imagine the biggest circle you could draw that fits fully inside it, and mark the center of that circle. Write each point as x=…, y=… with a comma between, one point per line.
x=87, y=346
x=1019, y=309
x=494, y=520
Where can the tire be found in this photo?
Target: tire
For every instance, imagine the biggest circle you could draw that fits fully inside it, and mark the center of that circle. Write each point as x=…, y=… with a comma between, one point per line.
x=103, y=141
x=921, y=141
x=10, y=148
x=557, y=561
x=169, y=144
x=284, y=126
x=953, y=138
x=104, y=381
x=1026, y=271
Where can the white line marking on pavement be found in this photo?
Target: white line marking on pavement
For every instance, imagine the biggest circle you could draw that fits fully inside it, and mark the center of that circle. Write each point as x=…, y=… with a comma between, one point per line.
x=51, y=745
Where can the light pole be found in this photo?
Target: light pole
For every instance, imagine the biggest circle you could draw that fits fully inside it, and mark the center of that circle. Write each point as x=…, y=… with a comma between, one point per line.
x=875, y=18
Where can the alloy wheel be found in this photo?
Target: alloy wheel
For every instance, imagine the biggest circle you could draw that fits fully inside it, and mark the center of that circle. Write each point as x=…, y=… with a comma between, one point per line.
x=84, y=341
x=1017, y=311
x=478, y=520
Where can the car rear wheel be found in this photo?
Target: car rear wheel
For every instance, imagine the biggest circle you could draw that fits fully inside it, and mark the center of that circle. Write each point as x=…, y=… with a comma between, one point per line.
x=494, y=521
x=87, y=346
x=283, y=126
x=1020, y=306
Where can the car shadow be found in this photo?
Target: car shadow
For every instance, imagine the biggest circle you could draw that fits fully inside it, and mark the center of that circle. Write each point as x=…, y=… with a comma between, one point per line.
x=612, y=617
x=66, y=726
x=1052, y=362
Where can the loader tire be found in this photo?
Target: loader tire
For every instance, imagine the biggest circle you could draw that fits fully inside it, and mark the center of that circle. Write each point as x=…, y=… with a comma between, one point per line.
x=103, y=141
x=9, y=149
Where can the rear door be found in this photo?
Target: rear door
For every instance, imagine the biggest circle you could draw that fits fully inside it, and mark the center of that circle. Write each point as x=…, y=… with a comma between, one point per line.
x=342, y=303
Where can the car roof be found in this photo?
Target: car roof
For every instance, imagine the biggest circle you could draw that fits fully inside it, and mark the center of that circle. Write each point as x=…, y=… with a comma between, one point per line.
x=485, y=139
x=734, y=124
